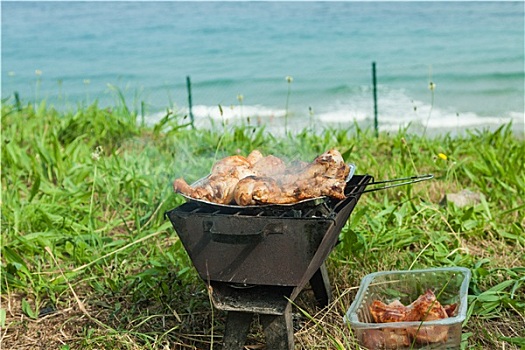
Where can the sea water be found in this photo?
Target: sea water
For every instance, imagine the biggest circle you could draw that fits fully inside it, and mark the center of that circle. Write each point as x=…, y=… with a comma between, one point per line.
x=441, y=66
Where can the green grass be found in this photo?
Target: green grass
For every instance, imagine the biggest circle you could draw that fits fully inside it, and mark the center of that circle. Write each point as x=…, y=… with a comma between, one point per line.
x=89, y=260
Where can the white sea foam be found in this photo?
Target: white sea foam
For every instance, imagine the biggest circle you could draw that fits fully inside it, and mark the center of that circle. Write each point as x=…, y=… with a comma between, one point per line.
x=236, y=112
x=397, y=111
x=203, y=113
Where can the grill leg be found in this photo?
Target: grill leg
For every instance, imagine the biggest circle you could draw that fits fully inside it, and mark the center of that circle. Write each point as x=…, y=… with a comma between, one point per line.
x=321, y=286
x=237, y=327
x=278, y=330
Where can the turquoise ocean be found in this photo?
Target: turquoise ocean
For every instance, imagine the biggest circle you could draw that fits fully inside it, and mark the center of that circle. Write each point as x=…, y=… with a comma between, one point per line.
x=441, y=66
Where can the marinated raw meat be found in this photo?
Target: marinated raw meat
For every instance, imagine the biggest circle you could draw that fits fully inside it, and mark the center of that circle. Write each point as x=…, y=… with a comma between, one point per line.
x=425, y=308
x=388, y=338
x=393, y=312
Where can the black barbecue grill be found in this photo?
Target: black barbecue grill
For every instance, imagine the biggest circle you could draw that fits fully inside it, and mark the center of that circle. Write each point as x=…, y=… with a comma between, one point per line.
x=256, y=260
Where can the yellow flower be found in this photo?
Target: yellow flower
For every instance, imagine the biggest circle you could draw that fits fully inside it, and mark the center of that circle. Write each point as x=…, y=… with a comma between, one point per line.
x=289, y=79
x=442, y=156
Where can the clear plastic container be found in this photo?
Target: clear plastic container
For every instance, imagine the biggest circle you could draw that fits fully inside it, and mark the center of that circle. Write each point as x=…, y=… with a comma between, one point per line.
x=450, y=287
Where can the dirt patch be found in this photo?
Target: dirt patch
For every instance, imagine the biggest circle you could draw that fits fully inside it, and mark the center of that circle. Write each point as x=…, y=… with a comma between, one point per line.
x=56, y=330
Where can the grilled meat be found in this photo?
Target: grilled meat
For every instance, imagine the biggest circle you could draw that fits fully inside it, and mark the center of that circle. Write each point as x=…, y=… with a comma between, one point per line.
x=218, y=187
x=253, y=190
x=257, y=179
x=234, y=166
x=254, y=156
x=269, y=166
x=325, y=176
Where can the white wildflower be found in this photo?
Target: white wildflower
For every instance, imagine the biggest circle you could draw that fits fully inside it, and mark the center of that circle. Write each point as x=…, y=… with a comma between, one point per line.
x=97, y=153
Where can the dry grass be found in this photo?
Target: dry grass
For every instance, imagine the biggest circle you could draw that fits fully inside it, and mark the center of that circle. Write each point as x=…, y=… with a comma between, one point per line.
x=52, y=331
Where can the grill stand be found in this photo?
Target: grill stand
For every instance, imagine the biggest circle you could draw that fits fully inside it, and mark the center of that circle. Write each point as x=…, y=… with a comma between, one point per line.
x=278, y=330
x=275, y=313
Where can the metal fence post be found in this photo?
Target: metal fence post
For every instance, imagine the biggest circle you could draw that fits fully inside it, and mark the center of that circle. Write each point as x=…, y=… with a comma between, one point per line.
x=374, y=82
x=190, y=105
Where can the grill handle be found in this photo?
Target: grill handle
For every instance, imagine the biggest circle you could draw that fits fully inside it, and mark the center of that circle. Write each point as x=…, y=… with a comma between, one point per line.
x=393, y=183
x=238, y=235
